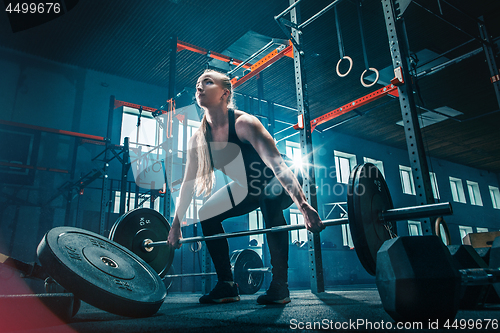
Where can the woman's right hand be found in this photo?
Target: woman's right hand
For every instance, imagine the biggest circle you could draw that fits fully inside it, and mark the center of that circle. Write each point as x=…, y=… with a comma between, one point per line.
x=174, y=236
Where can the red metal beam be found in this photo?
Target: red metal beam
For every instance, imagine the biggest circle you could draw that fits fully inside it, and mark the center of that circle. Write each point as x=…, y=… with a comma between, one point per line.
x=254, y=69
x=134, y=106
x=193, y=48
x=51, y=130
x=391, y=89
x=31, y=167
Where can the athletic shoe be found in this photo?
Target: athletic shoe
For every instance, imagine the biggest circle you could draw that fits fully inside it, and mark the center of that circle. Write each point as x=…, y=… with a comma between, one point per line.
x=277, y=293
x=223, y=292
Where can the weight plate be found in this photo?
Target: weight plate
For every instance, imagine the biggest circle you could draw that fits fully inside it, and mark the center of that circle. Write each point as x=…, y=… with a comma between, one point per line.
x=495, y=260
x=138, y=225
x=367, y=196
x=241, y=261
x=101, y=272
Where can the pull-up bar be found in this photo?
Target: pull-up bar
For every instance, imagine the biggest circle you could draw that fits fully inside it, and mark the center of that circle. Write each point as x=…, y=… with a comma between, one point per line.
x=311, y=19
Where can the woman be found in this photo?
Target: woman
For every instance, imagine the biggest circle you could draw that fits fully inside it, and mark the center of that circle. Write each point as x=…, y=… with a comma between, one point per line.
x=260, y=179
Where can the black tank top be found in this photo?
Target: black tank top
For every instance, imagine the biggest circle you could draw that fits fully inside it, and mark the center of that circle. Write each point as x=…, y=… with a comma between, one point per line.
x=240, y=161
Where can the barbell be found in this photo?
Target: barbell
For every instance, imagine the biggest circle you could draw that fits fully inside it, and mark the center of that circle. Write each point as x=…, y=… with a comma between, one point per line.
x=248, y=271
x=371, y=219
x=418, y=281
x=123, y=276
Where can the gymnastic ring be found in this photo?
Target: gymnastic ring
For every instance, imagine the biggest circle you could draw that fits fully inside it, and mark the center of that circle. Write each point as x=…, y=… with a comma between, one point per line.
x=350, y=66
x=198, y=247
x=437, y=228
x=376, y=78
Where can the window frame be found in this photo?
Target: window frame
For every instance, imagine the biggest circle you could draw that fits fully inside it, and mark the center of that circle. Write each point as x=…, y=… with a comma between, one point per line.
x=495, y=196
x=459, y=194
x=474, y=193
x=351, y=158
x=416, y=224
x=409, y=171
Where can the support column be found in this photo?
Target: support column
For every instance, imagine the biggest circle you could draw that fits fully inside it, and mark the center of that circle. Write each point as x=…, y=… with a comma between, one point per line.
x=490, y=59
x=167, y=199
x=418, y=161
x=124, y=178
x=309, y=187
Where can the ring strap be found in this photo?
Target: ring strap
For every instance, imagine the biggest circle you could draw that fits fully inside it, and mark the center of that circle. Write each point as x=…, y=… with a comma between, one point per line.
x=360, y=19
x=339, y=34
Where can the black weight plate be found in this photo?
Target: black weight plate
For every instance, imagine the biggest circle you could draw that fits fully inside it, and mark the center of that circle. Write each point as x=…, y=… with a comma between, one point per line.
x=137, y=225
x=367, y=196
x=241, y=261
x=101, y=272
x=495, y=260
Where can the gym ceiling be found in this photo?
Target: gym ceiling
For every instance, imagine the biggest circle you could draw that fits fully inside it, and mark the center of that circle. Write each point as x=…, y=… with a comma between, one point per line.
x=130, y=39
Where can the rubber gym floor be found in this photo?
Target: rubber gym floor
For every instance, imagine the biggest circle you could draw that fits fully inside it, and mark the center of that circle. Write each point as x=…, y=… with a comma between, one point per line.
x=344, y=308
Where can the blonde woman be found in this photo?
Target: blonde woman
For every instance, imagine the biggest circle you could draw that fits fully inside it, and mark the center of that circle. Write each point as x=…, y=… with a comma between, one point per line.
x=260, y=178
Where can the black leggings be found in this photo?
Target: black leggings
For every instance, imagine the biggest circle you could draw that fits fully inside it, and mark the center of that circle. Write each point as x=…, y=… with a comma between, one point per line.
x=234, y=200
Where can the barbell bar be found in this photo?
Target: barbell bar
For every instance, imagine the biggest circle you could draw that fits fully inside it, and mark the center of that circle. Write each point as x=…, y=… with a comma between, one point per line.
x=371, y=219
x=251, y=270
x=248, y=271
x=412, y=212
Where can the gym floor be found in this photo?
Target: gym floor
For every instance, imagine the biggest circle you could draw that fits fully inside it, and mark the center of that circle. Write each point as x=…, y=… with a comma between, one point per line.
x=346, y=308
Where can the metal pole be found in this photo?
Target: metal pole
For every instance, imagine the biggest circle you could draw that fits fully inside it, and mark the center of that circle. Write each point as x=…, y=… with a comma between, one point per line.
x=317, y=15
x=414, y=142
x=248, y=232
x=125, y=169
x=416, y=212
x=286, y=11
x=167, y=199
x=306, y=148
x=490, y=59
x=268, y=45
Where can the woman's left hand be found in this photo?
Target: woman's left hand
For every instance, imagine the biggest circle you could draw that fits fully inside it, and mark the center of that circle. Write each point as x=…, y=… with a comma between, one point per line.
x=311, y=219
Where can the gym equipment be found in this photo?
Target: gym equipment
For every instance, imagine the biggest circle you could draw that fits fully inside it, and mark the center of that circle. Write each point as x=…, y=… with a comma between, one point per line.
x=466, y=257
x=248, y=271
x=132, y=228
x=101, y=272
x=58, y=300
x=371, y=219
x=442, y=231
x=481, y=239
x=341, y=47
x=365, y=57
x=417, y=280
x=63, y=305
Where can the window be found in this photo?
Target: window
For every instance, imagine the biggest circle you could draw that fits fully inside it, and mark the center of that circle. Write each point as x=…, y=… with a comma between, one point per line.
x=255, y=221
x=406, y=180
x=414, y=228
x=145, y=136
x=464, y=230
x=457, y=190
x=434, y=184
x=495, y=197
x=190, y=210
x=145, y=200
x=293, y=153
x=478, y=229
x=474, y=194
x=146, y=154
x=378, y=164
x=346, y=236
x=344, y=163
x=300, y=235
x=192, y=126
